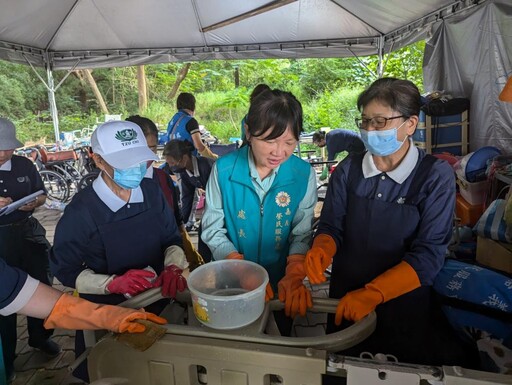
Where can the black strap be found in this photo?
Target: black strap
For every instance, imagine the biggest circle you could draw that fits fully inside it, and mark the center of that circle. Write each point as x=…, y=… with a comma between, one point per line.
x=476, y=308
x=420, y=176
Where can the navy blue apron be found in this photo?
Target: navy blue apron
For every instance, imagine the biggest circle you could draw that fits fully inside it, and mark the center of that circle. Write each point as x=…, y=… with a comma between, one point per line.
x=377, y=235
x=128, y=245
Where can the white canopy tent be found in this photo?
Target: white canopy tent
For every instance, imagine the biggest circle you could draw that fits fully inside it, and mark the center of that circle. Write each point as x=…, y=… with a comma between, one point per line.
x=69, y=34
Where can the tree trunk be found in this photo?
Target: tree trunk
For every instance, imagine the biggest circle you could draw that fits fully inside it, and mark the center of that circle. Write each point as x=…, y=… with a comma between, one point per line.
x=182, y=73
x=143, y=93
x=101, y=102
x=237, y=77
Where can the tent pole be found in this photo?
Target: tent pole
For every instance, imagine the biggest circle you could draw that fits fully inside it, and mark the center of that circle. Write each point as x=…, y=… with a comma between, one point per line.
x=53, y=104
x=380, y=67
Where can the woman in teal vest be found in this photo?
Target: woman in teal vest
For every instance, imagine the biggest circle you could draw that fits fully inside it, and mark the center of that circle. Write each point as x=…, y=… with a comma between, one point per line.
x=260, y=200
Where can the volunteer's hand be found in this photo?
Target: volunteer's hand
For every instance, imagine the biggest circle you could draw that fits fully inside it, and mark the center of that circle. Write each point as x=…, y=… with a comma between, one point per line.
x=132, y=282
x=76, y=313
x=296, y=297
x=357, y=304
x=269, y=293
x=392, y=283
x=31, y=205
x=319, y=257
x=129, y=322
x=4, y=201
x=172, y=280
x=235, y=255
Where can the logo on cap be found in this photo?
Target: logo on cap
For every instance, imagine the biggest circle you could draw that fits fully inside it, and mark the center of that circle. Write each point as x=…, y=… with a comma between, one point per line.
x=126, y=135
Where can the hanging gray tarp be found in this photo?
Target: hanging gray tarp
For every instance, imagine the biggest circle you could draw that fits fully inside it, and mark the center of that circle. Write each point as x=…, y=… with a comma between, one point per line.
x=107, y=33
x=470, y=55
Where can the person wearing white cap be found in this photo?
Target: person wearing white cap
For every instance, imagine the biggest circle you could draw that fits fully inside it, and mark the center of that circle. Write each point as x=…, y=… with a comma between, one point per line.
x=22, y=239
x=118, y=237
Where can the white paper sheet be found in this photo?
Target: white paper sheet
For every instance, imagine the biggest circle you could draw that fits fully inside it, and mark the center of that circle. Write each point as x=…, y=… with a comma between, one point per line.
x=20, y=202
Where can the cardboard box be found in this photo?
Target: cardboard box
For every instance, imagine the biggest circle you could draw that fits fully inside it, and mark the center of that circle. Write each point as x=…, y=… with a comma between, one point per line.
x=467, y=213
x=497, y=255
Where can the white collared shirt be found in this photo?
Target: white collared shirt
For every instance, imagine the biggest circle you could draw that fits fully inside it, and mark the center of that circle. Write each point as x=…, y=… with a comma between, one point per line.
x=195, y=168
x=6, y=166
x=108, y=197
x=399, y=174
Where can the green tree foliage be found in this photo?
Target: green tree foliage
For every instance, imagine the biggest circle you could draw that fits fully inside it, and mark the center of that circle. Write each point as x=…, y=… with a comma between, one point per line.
x=327, y=89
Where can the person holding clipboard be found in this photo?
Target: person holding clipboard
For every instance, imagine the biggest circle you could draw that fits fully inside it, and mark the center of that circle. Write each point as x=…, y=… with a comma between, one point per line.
x=22, y=239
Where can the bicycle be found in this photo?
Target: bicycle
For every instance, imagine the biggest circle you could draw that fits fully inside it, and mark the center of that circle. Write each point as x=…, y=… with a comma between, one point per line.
x=56, y=186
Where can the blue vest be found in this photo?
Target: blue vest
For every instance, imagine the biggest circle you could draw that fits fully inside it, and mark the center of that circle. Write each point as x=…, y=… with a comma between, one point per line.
x=177, y=128
x=260, y=230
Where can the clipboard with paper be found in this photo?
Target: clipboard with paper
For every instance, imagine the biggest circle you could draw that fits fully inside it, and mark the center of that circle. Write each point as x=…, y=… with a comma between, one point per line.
x=20, y=202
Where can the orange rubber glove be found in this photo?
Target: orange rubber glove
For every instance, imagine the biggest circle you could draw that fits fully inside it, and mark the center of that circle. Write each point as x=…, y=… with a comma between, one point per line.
x=392, y=283
x=235, y=255
x=133, y=282
x=269, y=293
x=291, y=290
x=171, y=280
x=319, y=257
x=76, y=313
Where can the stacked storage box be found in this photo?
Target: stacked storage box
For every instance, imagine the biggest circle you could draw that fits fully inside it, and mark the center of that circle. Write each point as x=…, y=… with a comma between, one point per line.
x=436, y=134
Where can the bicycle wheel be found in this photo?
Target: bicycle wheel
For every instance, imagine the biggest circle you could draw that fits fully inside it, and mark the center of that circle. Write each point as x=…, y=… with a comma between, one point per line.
x=56, y=185
x=87, y=180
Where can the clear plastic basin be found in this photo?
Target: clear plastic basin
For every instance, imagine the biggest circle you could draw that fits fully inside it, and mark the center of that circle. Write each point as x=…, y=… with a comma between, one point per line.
x=228, y=294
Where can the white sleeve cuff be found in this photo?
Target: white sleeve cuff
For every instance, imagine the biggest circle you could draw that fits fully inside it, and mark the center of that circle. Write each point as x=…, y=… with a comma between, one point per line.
x=88, y=282
x=26, y=292
x=174, y=255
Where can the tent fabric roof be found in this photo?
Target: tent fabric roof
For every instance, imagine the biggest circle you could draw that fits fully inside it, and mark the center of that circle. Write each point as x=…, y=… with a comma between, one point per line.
x=106, y=33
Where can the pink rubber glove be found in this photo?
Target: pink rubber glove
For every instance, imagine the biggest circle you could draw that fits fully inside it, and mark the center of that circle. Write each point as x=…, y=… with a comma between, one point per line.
x=133, y=282
x=171, y=280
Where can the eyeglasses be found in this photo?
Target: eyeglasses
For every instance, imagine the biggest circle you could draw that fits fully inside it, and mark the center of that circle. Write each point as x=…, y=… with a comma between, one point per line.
x=377, y=122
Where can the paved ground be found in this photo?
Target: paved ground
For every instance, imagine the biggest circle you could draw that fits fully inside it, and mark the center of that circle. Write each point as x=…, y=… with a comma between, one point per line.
x=34, y=368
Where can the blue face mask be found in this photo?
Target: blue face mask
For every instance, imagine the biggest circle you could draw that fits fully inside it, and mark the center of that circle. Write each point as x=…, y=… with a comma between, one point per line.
x=130, y=178
x=382, y=143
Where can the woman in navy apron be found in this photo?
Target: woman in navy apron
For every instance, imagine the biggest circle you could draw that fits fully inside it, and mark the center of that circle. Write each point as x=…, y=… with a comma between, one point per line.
x=118, y=236
x=22, y=239
x=385, y=226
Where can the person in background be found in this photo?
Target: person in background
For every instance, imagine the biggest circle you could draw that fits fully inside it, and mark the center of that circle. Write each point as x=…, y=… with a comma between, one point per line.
x=22, y=239
x=260, y=201
x=194, y=173
x=167, y=185
x=338, y=140
x=118, y=237
x=183, y=125
x=385, y=225
x=255, y=92
x=22, y=294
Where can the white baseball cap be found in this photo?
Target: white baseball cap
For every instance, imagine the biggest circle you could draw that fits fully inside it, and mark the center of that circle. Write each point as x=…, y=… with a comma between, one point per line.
x=122, y=144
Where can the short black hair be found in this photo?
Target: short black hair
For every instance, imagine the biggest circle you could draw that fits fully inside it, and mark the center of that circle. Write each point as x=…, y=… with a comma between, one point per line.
x=258, y=90
x=147, y=126
x=318, y=136
x=186, y=101
x=276, y=110
x=400, y=95
x=177, y=148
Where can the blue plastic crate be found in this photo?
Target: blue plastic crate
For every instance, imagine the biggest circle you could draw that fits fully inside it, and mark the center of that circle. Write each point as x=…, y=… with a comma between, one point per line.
x=441, y=119
x=454, y=150
x=446, y=133
x=439, y=135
